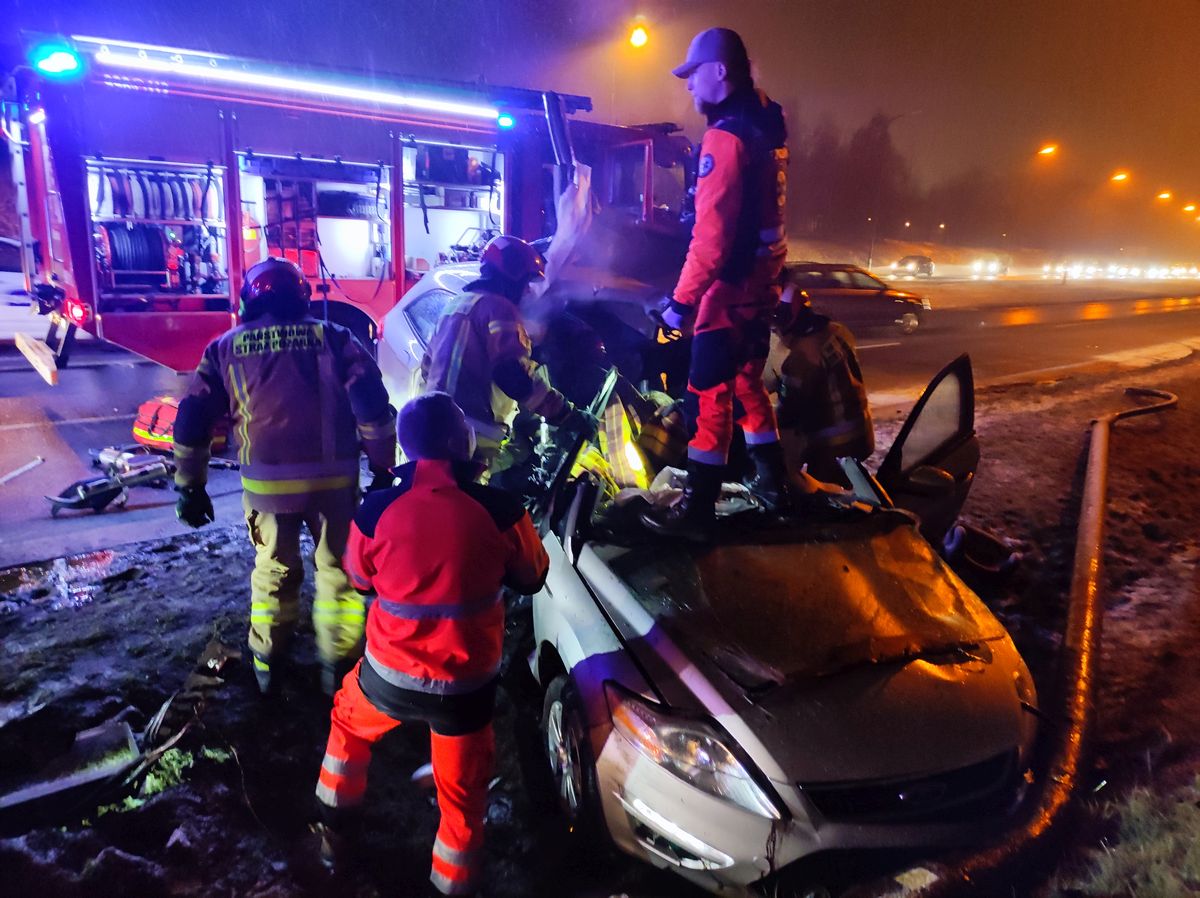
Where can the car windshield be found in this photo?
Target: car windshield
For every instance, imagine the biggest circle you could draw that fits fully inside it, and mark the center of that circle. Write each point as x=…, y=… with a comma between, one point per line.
x=867, y=591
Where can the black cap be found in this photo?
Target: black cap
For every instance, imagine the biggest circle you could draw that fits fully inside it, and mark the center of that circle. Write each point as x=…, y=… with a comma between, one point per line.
x=715, y=45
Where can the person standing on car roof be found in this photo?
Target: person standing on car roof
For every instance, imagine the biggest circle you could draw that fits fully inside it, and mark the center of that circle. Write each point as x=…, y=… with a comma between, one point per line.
x=437, y=548
x=481, y=354
x=729, y=283
x=304, y=396
x=822, y=406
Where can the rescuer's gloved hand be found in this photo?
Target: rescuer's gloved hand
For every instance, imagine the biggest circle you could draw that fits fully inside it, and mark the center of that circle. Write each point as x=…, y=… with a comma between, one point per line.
x=675, y=316
x=194, y=507
x=381, y=479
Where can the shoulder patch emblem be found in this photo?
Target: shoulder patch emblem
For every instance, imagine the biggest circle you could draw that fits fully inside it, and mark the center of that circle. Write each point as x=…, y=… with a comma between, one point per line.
x=706, y=165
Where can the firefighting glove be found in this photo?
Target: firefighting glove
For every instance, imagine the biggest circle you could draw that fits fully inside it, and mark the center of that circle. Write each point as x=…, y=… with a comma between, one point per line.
x=381, y=479
x=194, y=507
x=675, y=315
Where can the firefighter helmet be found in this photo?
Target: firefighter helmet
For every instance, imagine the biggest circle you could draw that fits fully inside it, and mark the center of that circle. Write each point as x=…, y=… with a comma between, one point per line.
x=511, y=259
x=277, y=286
x=433, y=426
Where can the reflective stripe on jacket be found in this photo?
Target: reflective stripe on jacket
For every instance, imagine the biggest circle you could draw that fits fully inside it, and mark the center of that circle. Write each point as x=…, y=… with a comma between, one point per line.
x=303, y=396
x=481, y=355
x=437, y=549
x=739, y=241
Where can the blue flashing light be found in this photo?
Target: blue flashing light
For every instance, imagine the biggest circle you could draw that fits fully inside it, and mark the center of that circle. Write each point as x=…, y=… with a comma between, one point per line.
x=56, y=60
x=505, y=122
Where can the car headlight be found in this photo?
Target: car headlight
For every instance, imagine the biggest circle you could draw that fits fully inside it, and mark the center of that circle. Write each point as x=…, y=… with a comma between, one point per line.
x=691, y=749
x=977, y=265
x=993, y=267
x=912, y=266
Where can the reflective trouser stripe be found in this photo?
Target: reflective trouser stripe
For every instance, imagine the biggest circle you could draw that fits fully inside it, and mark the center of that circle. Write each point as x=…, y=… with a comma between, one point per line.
x=452, y=855
x=448, y=886
x=339, y=613
x=714, y=420
x=355, y=725
x=462, y=767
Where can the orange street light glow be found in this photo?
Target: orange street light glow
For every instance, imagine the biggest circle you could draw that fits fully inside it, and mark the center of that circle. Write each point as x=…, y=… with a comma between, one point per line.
x=1190, y=207
x=1048, y=150
x=639, y=36
x=1165, y=195
x=1121, y=176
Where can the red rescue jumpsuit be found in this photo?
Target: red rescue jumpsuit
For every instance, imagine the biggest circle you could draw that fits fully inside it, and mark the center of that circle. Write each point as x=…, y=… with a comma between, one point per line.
x=730, y=277
x=437, y=549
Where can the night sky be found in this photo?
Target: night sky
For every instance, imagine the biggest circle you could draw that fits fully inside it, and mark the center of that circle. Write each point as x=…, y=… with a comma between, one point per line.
x=982, y=83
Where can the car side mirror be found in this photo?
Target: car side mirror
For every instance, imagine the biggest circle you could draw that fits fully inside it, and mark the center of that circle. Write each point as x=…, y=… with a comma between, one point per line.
x=926, y=480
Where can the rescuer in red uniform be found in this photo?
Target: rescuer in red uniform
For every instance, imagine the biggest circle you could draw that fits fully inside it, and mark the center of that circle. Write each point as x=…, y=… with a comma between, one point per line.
x=729, y=283
x=437, y=548
x=305, y=398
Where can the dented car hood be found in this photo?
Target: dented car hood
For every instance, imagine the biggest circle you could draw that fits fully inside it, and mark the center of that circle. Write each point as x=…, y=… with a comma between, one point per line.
x=853, y=649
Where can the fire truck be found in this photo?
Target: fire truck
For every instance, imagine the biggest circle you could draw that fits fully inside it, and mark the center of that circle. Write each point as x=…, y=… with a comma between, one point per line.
x=151, y=178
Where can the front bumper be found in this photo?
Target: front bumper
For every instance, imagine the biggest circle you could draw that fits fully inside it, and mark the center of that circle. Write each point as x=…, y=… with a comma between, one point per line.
x=657, y=817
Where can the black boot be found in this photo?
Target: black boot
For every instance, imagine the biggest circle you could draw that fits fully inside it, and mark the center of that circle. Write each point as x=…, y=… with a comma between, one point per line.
x=692, y=517
x=769, y=483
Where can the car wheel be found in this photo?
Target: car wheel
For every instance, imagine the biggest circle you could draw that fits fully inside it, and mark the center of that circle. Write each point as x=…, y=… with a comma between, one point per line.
x=569, y=751
x=909, y=322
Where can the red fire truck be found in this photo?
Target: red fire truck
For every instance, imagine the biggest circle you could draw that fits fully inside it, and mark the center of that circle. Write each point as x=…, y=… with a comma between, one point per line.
x=150, y=178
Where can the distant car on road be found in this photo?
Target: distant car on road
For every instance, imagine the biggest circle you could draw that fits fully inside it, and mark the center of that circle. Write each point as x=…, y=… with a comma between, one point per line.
x=857, y=298
x=989, y=267
x=913, y=266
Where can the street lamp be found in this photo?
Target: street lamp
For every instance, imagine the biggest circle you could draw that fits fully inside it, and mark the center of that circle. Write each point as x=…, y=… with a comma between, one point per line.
x=1190, y=207
x=639, y=36
x=1165, y=195
x=1120, y=177
x=1048, y=150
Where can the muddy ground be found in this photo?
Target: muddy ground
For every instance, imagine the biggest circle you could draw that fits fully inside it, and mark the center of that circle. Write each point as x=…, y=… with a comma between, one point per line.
x=113, y=635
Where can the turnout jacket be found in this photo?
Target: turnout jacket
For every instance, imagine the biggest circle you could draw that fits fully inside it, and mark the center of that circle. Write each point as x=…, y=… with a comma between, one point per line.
x=816, y=373
x=739, y=241
x=481, y=355
x=303, y=395
x=437, y=549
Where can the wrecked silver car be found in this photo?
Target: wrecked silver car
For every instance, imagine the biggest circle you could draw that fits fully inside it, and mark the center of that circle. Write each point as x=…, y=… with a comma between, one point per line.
x=826, y=682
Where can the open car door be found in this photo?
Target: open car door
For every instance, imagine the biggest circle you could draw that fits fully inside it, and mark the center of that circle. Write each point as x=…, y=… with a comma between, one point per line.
x=930, y=467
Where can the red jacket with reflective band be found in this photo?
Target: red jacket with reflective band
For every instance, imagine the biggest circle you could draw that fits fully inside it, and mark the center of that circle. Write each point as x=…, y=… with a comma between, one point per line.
x=739, y=242
x=437, y=548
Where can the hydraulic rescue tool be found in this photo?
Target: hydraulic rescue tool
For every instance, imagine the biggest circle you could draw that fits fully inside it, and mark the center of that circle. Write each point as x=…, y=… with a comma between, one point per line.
x=123, y=467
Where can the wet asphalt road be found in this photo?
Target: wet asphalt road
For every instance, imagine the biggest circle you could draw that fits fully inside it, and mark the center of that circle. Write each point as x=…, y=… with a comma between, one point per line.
x=1011, y=330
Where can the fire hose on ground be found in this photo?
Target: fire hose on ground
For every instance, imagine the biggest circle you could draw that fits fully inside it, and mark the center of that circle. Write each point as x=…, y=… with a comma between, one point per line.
x=1042, y=817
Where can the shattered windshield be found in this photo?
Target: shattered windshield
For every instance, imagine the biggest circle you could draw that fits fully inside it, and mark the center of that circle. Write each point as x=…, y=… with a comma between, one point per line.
x=867, y=592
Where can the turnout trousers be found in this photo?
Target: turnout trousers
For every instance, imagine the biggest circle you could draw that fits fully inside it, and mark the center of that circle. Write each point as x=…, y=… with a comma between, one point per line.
x=462, y=766
x=728, y=358
x=338, y=613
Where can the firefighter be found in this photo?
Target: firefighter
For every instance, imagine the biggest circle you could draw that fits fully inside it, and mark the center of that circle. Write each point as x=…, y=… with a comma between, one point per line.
x=303, y=395
x=481, y=354
x=822, y=406
x=729, y=284
x=437, y=549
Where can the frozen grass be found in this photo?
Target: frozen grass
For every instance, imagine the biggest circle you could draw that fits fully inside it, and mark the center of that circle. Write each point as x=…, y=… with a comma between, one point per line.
x=1155, y=852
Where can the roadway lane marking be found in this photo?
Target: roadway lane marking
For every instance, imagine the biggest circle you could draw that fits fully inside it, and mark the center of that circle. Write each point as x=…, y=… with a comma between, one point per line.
x=103, y=419
x=877, y=345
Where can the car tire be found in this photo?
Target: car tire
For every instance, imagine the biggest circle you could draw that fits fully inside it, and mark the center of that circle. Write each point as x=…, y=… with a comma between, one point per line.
x=572, y=764
x=909, y=322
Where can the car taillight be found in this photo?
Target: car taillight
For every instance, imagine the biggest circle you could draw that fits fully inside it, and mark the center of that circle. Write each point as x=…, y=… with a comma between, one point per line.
x=76, y=312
